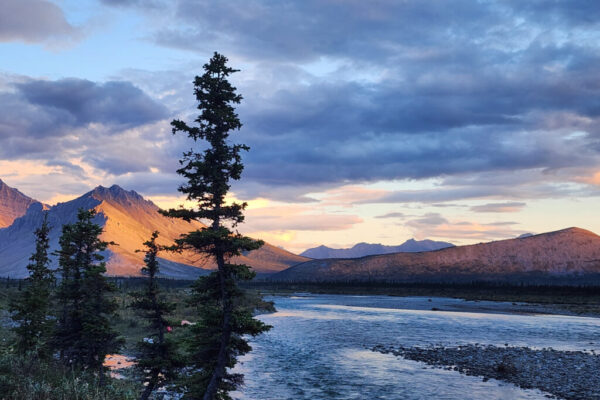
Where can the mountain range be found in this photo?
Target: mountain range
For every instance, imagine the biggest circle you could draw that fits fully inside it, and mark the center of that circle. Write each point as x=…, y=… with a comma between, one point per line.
x=565, y=253
x=369, y=249
x=127, y=219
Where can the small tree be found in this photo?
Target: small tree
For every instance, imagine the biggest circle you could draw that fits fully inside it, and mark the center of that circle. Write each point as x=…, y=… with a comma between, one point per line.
x=84, y=334
x=157, y=360
x=217, y=338
x=32, y=309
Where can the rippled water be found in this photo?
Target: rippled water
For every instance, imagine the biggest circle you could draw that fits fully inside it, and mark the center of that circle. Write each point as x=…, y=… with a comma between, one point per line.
x=319, y=347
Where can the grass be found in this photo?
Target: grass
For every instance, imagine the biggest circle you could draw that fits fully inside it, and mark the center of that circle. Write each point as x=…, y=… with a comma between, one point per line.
x=24, y=378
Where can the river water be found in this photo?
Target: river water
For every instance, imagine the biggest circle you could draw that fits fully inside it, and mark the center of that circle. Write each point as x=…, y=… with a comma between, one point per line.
x=319, y=347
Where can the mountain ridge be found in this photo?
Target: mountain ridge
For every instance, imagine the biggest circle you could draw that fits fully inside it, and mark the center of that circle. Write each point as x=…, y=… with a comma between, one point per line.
x=363, y=249
x=128, y=219
x=566, y=252
x=13, y=204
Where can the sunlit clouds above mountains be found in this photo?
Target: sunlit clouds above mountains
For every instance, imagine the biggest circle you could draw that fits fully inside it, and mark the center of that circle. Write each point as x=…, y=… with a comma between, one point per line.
x=367, y=121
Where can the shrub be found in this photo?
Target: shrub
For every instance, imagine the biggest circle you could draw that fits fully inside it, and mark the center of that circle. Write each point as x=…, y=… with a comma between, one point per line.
x=25, y=378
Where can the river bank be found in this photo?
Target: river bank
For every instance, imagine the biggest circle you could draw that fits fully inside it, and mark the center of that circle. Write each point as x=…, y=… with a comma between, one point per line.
x=544, y=299
x=568, y=375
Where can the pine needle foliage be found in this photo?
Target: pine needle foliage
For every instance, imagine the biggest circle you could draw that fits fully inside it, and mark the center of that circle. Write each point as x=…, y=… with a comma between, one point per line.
x=217, y=338
x=157, y=358
x=84, y=335
x=32, y=309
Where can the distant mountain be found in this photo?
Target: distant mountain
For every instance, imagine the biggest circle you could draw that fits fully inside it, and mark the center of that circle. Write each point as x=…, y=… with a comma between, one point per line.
x=13, y=204
x=127, y=219
x=565, y=253
x=524, y=235
x=369, y=249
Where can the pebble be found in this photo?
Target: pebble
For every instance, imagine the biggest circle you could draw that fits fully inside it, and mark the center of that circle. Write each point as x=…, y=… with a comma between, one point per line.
x=571, y=375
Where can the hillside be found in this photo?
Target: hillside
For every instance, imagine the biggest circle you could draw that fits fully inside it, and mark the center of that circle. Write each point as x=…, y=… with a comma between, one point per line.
x=13, y=204
x=128, y=219
x=369, y=249
x=571, y=251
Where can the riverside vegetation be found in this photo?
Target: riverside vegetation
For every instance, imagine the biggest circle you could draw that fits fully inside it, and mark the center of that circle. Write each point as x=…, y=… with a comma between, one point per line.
x=24, y=377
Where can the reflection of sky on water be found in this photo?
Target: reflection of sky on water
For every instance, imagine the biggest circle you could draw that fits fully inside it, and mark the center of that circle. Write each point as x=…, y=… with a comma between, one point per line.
x=319, y=347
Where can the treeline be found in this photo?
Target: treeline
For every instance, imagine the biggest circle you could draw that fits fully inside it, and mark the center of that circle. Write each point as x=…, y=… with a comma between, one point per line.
x=63, y=328
x=121, y=283
x=475, y=290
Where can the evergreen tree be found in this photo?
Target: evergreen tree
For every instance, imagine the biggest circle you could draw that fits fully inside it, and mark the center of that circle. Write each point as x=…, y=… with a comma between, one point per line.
x=157, y=360
x=84, y=334
x=217, y=338
x=31, y=311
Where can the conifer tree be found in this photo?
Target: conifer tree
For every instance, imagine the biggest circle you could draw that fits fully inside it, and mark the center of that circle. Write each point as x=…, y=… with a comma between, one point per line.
x=84, y=334
x=217, y=338
x=31, y=311
x=157, y=360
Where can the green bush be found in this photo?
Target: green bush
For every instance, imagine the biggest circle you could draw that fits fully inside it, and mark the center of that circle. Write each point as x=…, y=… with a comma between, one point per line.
x=24, y=378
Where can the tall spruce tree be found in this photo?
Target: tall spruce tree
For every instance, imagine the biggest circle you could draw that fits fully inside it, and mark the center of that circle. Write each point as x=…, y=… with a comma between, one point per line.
x=32, y=310
x=217, y=338
x=157, y=360
x=84, y=334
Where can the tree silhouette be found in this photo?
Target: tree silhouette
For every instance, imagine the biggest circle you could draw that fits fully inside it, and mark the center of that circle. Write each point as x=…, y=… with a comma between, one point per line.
x=217, y=338
x=84, y=335
x=32, y=309
x=157, y=360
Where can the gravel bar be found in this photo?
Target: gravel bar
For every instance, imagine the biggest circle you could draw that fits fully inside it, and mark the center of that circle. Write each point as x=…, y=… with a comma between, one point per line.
x=563, y=374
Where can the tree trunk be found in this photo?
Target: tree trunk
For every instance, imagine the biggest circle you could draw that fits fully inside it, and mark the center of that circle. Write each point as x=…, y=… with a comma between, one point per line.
x=219, y=371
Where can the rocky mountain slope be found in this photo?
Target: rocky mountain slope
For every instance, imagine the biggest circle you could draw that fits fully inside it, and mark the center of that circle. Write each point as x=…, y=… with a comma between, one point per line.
x=128, y=219
x=567, y=252
x=13, y=204
x=369, y=249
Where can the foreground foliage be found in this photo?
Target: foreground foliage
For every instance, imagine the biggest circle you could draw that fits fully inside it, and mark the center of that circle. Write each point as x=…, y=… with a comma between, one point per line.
x=24, y=377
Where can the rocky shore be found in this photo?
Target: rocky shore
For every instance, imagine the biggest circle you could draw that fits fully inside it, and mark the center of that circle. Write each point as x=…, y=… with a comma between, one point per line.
x=562, y=374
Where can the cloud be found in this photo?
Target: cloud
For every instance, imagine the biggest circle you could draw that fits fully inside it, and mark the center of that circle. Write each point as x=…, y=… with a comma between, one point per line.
x=339, y=94
x=392, y=215
x=500, y=185
x=34, y=21
x=412, y=90
x=103, y=124
x=81, y=102
x=296, y=218
x=429, y=219
x=433, y=225
x=499, y=207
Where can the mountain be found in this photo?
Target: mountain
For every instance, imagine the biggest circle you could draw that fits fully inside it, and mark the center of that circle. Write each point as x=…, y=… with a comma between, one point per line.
x=128, y=220
x=13, y=204
x=369, y=249
x=565, y=253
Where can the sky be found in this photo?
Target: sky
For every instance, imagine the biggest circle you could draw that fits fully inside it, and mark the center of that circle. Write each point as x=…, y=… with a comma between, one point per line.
x=368, y=121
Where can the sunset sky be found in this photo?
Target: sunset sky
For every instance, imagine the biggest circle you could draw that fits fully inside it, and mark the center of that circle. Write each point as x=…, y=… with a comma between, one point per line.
x=374, y=121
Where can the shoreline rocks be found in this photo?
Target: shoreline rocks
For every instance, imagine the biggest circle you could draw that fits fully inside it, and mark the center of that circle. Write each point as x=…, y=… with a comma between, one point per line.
x=571, y=375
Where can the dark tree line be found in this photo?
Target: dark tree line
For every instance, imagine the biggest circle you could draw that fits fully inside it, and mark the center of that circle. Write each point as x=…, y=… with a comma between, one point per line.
x=158, y=359
x=78, y=327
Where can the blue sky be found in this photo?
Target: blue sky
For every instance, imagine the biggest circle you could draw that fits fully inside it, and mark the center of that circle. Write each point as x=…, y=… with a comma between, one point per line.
x=373, y=121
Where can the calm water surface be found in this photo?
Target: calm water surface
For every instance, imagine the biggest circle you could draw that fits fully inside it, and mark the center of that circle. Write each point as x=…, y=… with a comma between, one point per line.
x=319, y=347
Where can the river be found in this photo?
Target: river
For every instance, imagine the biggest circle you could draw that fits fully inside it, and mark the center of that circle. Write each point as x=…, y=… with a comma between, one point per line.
x=319, y=347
